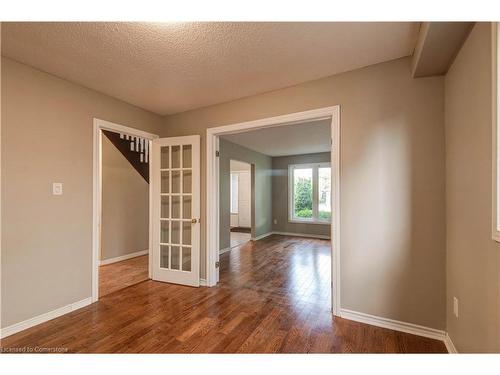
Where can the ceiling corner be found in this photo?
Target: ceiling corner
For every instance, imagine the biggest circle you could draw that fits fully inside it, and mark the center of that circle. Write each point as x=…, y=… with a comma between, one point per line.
x=437, y=46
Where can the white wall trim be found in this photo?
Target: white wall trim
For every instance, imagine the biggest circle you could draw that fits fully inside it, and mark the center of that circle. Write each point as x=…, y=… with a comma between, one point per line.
x=212, y=186
x=203, y=282
x=495, y=132
x=123, y=257
x=21, y=326
x=449, y=345
x=320, y=236
x=261, y=236
x=222, y=251
x=100, y=125
x=396, y=325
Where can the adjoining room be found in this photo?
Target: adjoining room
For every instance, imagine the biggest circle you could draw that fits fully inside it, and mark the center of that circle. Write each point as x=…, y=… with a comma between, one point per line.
x=286, y=180
x=241, y=206
x=124, y=245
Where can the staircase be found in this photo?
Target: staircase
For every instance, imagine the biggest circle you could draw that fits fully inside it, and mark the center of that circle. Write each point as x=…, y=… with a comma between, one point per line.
x=135, y=150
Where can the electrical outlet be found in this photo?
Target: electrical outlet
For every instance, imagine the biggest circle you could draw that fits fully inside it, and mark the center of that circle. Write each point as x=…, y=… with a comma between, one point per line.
x=275, y=221
x=57, y=188
x=455, y=307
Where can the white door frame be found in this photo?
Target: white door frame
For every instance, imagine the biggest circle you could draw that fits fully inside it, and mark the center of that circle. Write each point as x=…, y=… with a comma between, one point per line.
x=100, y=125
x=212, y=198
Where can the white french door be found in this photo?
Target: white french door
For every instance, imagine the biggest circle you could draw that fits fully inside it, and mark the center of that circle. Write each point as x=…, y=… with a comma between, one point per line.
x=176, y=210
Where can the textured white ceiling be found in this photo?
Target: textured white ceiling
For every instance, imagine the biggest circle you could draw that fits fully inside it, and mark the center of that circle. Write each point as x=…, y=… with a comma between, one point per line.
x=304, y=138
x=173, y=67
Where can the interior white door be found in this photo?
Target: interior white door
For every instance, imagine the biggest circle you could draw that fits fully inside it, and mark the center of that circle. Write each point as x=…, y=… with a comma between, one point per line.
x=176, y=210
x=245, y=199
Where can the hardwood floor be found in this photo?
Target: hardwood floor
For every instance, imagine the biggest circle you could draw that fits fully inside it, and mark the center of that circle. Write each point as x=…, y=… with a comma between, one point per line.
x=119, y=275
x=238, y=238
x=274, y=296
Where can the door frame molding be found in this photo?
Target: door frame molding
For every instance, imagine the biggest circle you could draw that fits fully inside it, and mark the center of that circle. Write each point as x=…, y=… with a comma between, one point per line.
x=100, y=125
x=212, y=186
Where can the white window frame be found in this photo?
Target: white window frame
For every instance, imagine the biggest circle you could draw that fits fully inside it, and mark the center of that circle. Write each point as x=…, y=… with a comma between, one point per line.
x=495, y=222
x=231, y=208
x=315, y=217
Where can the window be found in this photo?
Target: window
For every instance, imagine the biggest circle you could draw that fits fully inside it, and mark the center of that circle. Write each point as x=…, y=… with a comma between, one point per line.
x=234, y=193
x=309, y=188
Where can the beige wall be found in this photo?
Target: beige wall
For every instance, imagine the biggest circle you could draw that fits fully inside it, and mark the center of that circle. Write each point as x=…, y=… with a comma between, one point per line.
x=125, y=205
x=473, y=258
x=392, y=160
x=47, y=137
x=280, y=194
x=261, y=191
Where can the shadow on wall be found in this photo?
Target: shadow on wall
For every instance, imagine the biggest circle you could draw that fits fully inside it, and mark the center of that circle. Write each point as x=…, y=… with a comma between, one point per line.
x=399, y=221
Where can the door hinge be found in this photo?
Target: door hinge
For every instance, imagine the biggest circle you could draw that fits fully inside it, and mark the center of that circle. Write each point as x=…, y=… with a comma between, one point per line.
x=217, y=153
x=217, y=264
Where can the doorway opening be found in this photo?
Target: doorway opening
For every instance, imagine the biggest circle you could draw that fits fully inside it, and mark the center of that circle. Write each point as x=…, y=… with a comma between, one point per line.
x=241, y=202
x=304, y=181
x=124, y=252
x=122, y=207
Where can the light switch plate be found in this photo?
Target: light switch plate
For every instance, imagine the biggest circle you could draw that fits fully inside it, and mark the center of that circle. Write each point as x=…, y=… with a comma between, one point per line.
x=57, y=188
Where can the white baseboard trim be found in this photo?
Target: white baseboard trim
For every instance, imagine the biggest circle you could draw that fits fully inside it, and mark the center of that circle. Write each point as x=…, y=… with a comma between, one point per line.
x=449, y=345
x=21, y=326
x=123, y=257
x=396, y=325
x=321, y=236
x=222, y=251
x=261, y=236
x=203, y=282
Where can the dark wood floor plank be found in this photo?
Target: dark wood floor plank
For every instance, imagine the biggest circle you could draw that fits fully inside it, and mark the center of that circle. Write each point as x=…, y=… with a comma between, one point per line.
x=273, y=297
x=119, y=275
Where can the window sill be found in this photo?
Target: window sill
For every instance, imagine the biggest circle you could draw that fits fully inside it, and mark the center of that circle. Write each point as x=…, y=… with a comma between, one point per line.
x=295, y=221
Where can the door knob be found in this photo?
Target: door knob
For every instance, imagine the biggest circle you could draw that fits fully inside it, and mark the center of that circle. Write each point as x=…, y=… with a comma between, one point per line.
x=194, y=221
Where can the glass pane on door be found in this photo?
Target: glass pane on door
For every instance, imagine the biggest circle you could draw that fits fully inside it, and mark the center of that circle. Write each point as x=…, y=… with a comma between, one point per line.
x=176, y=156
x=186, y=156
x=176, y=182
x=175, y=257
x=164, y=256
x=186, y=259
x=165, y=157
